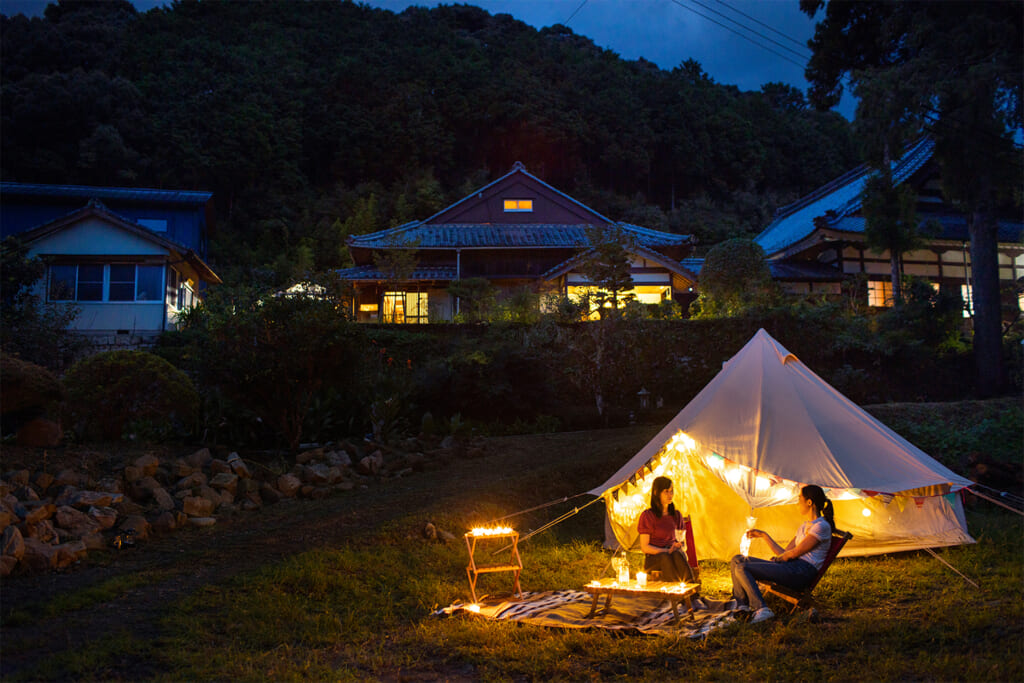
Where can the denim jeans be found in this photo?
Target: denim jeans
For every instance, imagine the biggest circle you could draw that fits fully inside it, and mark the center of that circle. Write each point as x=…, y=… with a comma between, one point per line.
x=747, y=571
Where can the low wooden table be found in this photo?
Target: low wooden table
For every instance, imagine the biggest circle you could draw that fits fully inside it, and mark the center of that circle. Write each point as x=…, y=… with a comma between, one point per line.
x=674, y=592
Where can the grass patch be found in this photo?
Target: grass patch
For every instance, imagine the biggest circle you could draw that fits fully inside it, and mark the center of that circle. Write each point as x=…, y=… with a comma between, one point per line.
x=361, y=611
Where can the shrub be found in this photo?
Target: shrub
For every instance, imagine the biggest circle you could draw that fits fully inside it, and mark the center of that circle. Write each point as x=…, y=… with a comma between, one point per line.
x=29, y=390
x=116, y=393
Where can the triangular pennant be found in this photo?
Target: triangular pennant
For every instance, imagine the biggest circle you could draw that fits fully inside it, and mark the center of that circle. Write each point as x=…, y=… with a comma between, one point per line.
x=870, y=494
x=901, y=501
x=919, y=501
x=950, y=498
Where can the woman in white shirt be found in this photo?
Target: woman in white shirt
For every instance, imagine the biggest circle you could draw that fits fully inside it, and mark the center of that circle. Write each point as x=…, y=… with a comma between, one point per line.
x=794, y=566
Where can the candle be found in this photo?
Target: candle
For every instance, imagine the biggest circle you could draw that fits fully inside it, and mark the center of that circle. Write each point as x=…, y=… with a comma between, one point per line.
x=624, y=574
x=641, y=579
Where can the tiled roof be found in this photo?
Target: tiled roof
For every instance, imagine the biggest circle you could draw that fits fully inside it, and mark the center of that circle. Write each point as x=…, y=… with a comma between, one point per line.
x=841, y=197
x=108, y=193
x=782, y=270
x=481, y=235
x=953, y=227
x=370, y=272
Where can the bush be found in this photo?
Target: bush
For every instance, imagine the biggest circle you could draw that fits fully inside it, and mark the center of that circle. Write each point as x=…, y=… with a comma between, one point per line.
x=29, y=391
x=119, y=393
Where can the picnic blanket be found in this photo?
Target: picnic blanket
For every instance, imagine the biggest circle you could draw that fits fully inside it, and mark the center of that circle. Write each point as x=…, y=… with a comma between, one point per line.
x=650, y=614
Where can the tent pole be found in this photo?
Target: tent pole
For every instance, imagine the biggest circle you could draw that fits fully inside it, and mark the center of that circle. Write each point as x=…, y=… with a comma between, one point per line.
x=936, y=556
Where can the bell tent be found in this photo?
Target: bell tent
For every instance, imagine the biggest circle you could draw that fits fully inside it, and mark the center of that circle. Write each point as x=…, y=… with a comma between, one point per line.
x=762, y=428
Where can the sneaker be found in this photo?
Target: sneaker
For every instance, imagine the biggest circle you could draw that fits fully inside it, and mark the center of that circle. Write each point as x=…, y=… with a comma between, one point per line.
x=763, y=614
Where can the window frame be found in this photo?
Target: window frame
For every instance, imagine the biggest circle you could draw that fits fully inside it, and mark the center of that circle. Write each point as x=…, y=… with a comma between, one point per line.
x=517, y=205
x=84, y=290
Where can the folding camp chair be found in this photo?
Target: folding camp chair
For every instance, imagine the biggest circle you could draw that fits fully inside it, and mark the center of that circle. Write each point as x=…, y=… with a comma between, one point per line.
x=802, y=598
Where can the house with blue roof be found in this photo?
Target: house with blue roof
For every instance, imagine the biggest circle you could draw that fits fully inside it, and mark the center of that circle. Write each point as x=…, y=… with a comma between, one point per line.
x=818, y=241
x=516, y=232
x=129, y=259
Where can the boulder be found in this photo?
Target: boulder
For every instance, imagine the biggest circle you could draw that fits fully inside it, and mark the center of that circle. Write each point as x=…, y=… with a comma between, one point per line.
x=77, y=522
x=7, y=518
x=309, y=456
x=39, y=556
x=136, y=523
x=199, y=459
x=288, y=485
x=148, y=464
x=37, y=511
x=218, y=466
x=197, y=506
x=371, y=464
x=192, y=481
x=225, y=481
x=269, y=494
x=42, y=481
x=316, y=473
x=17, y=477
x=338, y=459
x=66, y=554
x=88, y=499
x=110, y=485
x=239, y=467
x=106, y=517
x=12, y=544
x=165, y=522
x=182, y=468
x=163, y=499
x=202, y=521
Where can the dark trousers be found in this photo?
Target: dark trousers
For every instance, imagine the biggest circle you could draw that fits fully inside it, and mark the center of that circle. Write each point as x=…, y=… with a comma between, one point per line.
x=673, y=566
x=747, y=571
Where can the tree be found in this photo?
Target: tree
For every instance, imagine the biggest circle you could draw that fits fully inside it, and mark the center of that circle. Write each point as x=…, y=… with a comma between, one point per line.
x=958, y=72
x=607, y=265
x=891, y=223
x=734, y=279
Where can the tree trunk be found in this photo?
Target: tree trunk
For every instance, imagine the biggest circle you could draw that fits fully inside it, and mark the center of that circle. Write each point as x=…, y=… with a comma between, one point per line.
x=894, y=265
x=985, y=295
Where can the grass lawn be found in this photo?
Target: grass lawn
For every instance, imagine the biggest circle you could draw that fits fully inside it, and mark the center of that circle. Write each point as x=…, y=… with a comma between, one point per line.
x=360, y=609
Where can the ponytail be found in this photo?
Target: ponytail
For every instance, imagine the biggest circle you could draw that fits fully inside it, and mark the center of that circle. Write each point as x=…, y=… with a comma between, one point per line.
x=822, y=504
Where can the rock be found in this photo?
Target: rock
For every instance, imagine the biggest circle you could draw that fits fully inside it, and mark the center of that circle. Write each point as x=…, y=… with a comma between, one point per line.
x=309, y=456
x=39, y=556
x=110, y=485
x=288, y=485
x=77, y=522
x=26, y=494
x=219, y=467
x=88, y=499
x=12, y=543
x=199, y=459
x=66, y=554
x=371, y=464
x=148, y=464
x=42, y=481
x=344, y=485
x=269, y=494
x=193, y=480
x=429, y=531
x=316, y=474
x=39, y=511
x=7, y=518
x=338, y=459
x=133, y=474
x=182, y=468
x=202, y=521
x=163, y=499
x=7, y=565
x=165, y=522
x=40, y=433
x=239, y=467
x=225, y=481
x=106, y=517
x=17, y=477
x=94, y=542
x=136, y=523
x=196, y=506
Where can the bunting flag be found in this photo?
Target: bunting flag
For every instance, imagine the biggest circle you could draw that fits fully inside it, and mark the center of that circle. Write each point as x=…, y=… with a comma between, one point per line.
x=950, y=498
x=870, y=494
x=919, y=501
x=901, y=501
x=886, y=498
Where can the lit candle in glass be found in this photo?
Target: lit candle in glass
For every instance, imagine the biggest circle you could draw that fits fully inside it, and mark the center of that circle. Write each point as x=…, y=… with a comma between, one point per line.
x=641, y=579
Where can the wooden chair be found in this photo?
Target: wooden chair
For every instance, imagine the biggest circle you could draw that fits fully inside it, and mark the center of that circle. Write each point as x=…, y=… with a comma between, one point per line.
x=803, y=598
x=691, y=550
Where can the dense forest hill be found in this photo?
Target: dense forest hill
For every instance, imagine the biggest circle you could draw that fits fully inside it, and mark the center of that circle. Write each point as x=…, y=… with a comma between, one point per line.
x=312, y=120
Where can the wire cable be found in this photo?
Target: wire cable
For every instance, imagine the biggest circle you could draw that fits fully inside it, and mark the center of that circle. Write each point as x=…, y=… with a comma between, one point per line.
x=757, y=21
x=747, y=28
x=566, y=22
x=741, y=35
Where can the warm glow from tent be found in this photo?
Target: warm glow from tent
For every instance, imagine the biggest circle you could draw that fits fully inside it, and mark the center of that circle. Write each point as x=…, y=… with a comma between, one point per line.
x=866, y=512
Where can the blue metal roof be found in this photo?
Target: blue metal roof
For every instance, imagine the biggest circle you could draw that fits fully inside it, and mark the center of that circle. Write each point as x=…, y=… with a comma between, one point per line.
x=839, y=198
x=953, y=227
x=782, y=270
x=131, y=194
x=483, y=235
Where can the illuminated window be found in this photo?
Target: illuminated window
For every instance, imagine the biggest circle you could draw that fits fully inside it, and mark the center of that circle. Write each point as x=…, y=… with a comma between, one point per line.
x=965, y=294
x=644, y=294
x=518, y=205
x=405, y=308
x=879, y=293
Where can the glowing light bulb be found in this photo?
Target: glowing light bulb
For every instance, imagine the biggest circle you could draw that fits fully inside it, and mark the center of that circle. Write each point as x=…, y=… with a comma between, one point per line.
x=866, y=512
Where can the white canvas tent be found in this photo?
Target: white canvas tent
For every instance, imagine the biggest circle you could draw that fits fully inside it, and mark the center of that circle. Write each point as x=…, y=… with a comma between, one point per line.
x=763, y=427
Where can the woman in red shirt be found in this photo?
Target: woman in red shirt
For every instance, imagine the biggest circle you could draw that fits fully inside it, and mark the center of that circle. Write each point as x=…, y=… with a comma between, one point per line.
x=657, y=527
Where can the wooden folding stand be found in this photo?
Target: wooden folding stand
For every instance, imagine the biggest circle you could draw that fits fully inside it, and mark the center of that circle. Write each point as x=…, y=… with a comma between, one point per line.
x=515, y=566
